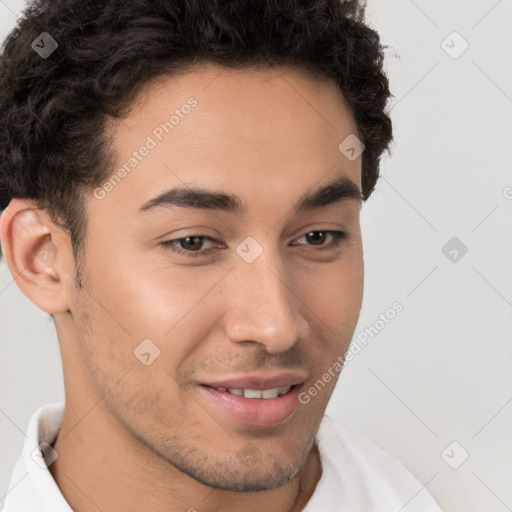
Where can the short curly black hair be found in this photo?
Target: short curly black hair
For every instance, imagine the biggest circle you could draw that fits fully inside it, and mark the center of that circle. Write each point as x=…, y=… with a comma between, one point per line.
x=53, y=111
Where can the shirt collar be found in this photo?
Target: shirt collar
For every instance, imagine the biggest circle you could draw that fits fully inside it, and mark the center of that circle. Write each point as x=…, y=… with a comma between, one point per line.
x=32, y=486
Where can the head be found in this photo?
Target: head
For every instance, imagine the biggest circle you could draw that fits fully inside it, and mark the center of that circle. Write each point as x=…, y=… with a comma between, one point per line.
x=179, y=180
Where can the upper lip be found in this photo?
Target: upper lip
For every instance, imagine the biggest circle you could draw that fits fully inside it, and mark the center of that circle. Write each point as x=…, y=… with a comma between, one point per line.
x=259, y=381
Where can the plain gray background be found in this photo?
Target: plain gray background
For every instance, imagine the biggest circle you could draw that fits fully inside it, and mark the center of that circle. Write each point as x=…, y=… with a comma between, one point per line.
x=441, y=371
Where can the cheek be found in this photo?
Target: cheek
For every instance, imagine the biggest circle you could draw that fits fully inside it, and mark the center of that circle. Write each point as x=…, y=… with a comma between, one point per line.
x=333, y=291
x=151, y=297
x=333, y=297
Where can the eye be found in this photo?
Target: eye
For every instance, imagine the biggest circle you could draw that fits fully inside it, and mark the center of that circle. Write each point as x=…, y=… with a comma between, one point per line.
x=318, y=238
x=191, y=244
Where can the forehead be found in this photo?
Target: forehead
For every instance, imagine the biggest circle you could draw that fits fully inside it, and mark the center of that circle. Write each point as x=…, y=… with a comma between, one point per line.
x=233, y=129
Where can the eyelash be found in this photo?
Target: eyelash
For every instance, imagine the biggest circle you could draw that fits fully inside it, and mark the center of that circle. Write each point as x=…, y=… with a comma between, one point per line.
x=338, y=238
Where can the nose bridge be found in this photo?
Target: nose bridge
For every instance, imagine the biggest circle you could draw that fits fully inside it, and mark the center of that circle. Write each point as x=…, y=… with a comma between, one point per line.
x=264, y=308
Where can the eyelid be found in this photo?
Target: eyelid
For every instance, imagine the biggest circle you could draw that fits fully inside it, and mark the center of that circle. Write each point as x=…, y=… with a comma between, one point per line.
x=338, y=236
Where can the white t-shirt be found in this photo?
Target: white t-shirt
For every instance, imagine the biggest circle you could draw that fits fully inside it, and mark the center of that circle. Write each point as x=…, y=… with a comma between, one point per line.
x=357, y=476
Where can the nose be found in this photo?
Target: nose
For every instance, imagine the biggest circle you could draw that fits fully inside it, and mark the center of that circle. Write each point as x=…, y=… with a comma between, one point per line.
x=263, y=305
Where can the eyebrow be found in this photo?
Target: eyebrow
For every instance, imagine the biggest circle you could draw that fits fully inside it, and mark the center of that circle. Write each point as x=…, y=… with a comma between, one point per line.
x=335, y=192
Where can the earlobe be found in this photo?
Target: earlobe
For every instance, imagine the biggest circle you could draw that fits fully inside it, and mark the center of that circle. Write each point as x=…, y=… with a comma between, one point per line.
x=34, y=254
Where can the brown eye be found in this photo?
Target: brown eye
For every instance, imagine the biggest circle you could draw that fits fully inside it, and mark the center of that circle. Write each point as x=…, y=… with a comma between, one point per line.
x=318, y=238
x=188, y=246
x=191, y=243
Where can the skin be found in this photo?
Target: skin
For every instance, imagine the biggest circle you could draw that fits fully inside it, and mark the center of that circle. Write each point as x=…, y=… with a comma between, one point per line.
x=144, y=436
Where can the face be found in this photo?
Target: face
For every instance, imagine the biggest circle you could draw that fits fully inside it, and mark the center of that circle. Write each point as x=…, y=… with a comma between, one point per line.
x=185, y=292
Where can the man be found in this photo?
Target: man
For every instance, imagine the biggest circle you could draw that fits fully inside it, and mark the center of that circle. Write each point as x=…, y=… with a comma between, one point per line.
x=182, y=184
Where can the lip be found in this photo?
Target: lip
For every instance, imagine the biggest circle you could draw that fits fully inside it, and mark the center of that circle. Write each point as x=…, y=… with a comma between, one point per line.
x=259, y=381
x=253, y=412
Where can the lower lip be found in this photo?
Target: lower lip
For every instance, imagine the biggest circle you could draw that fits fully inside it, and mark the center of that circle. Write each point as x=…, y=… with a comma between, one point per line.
x=257, y=412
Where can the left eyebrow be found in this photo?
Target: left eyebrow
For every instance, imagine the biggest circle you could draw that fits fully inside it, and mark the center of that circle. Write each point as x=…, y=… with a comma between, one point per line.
x=337, y=191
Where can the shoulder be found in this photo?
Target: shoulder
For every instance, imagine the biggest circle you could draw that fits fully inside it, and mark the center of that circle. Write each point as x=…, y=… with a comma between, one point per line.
x=370, y=477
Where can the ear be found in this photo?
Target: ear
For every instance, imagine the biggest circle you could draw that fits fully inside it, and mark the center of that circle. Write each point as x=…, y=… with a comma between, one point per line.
x=38, y=255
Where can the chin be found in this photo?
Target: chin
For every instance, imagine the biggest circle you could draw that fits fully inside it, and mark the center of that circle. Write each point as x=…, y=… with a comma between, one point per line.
x=241, y=476
x=252, y=483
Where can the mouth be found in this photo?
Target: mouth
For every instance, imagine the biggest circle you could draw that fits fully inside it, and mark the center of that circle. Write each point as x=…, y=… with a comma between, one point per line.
x=254, y=407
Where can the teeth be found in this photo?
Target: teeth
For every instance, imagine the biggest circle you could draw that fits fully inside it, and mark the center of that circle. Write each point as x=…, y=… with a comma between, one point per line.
x=283, y=390
x=252, y=393
x=257, y=393
x=270, y=393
